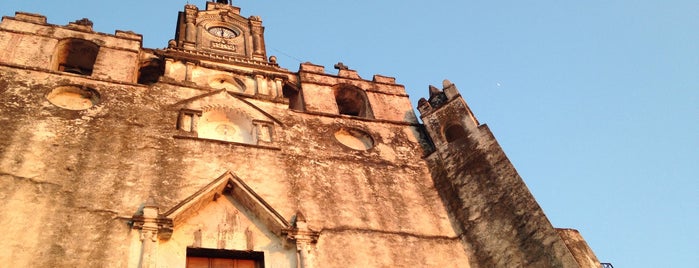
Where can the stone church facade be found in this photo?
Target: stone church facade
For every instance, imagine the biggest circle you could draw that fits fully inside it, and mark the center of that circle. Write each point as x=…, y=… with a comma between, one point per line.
x=207, y=153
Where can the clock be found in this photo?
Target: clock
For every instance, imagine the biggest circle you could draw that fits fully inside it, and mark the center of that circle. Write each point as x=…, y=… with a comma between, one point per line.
x=222, y=32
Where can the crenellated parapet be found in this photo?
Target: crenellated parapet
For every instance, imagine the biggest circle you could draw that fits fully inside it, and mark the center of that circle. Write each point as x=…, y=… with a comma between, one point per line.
x=348, y=95
x=28, y=41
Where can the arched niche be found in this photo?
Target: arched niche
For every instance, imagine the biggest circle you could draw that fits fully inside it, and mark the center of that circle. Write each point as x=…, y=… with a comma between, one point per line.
x=294, y=95
x=352, y=101
x=76, y=56
x=150, y=71
x=454, y=132
x=226, y=124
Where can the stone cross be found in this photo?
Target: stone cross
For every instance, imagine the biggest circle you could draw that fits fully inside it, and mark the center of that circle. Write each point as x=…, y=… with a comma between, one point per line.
x=341, y=66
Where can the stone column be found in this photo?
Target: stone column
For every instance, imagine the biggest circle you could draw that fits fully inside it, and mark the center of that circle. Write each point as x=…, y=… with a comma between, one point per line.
x=304, y=247
x=188, y=71
x=149, y=236
x=305, y=241
x=279, y=87
x=190, y=36
x=262, y=87
x=258, y=41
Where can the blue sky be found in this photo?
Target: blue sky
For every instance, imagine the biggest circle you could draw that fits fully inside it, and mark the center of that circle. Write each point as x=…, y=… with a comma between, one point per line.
x=595, y=102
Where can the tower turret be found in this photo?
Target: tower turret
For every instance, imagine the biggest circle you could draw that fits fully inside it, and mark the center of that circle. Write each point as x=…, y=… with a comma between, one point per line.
x=446, y=115
x=493, y=209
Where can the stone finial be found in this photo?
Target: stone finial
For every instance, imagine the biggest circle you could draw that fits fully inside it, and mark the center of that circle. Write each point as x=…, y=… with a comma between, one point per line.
x=300, y=217
x=225, y=7
x=437, y=97
x=300, y=221
x=305, y=239
x=150, y=203
x=434, y=91
x=446, y=83
x=341, y=66
x=450, y=89
x=424, y=106
x=150, y=208
x=422, y=101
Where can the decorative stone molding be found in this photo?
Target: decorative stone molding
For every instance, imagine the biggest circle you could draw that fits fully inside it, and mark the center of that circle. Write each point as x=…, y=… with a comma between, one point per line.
x=225, y=117
x=305, y=239
x=155, y=225
x=150, y=220
x=151, y=223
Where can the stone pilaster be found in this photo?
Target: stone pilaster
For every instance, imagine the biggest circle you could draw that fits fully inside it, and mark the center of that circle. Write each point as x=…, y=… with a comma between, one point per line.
x=152, y=227
x=305, y=239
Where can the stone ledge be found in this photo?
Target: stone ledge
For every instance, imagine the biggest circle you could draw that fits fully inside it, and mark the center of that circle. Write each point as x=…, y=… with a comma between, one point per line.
x=183, y=137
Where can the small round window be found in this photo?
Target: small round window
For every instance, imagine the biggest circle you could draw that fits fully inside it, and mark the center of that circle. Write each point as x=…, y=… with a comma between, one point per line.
x=73, y=97
x=354, y=139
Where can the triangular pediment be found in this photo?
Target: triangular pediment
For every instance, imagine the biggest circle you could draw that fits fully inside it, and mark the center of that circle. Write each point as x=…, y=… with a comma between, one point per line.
x=222, y=99
x=228, y=185
x=227, y=14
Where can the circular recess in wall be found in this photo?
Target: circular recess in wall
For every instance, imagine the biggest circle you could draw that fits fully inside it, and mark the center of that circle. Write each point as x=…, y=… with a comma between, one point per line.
x=354, y=139
x=73, y=97
x=226, y=130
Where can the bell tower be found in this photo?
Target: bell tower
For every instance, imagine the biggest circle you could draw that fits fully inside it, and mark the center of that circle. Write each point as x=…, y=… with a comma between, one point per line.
x=483, y=190
x=220, y=30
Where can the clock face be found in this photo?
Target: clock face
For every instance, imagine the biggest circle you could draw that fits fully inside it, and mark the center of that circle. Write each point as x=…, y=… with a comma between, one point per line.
x=222, y=32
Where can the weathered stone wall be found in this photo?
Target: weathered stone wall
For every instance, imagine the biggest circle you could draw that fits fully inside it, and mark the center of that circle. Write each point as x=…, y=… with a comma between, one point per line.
x=387, y=100
x=496, y=214
x=29, y=41
x=223, y=224
x=67, y=176
x=80, y=155
x=578, y=247
x=73, y=178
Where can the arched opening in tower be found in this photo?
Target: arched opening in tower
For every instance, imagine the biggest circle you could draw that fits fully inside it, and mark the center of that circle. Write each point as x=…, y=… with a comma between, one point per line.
x=76, y=56
x=294, y=95
x=454, y=132
x=352, y=101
